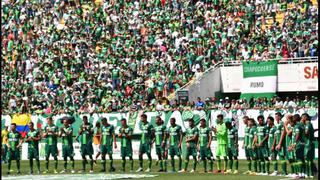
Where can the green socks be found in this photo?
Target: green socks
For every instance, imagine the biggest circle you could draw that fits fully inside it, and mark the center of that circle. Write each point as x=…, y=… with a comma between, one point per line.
x=31, y=164
x=275, y=165
x=161, y=164
x=123, y=162
x=38, y=164
x=65, y=164
x=131, y=164
x=47, y=165
x=230, y=163
x=219, y=164
x=225, y=164
x=268, y=166
x=186, y=162
x=83, y=165
x=211, y=165
x=263, y=164
x=255, y=165
x=284, y=167
x=194, y=163
x=249, y=164
x=205, y=165
x=180, y=163
x=172, y=164
x=236, y=164
x=103, y=163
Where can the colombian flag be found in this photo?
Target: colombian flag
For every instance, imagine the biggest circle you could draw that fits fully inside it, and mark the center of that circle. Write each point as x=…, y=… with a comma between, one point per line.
x=22, y=121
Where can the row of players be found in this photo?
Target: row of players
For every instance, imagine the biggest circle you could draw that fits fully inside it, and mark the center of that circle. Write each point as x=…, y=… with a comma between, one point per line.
x=291, y=140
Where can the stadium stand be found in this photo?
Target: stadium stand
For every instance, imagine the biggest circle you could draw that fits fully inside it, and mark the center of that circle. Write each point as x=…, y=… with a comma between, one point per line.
x=100, y=56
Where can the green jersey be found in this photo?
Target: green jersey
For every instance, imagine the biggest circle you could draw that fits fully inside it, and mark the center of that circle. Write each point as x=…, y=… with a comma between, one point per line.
x=246, y=136
x=159, y=132
x=309, y=133
x=51, y=139
x=272, y=131
x=175, y=133
x=252, y=132
x=86, y=136
x=280, y=129
x=147, y=130
x=107, y=133
x=204, y=134
x=288, y=137
x=261, y=133
x=190, y=133
x=33, y=144
x=299, y=130
x=222, y=134
x=125, y=142
x=232, y=137
x=13, y=139
x=67, y=139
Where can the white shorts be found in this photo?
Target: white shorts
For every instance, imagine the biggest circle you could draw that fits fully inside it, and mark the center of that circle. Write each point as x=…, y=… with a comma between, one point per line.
x=96, y=148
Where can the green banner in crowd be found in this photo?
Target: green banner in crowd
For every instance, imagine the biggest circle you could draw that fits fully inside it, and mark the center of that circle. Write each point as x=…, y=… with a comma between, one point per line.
x=259, y=79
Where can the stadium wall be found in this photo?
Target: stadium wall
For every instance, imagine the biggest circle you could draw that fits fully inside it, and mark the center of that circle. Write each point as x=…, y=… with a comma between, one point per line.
x=291, y=78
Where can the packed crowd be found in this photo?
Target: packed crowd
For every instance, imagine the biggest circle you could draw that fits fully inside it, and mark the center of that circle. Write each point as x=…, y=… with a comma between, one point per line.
x=114, y=55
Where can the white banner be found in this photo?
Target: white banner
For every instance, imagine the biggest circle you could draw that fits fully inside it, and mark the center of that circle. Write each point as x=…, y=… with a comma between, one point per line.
x=259, y=84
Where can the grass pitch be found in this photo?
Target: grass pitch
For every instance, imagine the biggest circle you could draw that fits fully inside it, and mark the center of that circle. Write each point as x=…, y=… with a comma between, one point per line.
x=117, y=163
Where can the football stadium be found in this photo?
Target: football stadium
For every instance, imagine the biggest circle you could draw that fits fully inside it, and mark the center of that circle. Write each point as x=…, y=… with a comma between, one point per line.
x=159, y=89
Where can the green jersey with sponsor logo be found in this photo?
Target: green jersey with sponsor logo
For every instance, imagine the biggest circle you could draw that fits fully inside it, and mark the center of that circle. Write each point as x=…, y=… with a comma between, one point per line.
x=33, y=144
x=51, y=139
x=261, y=133
x=126, y=142
x=67, y=139
x=13, y=139
x=146, y=133
x=232, y=136
x=159, y=132
x=204, y=134
x=107, y=133
x=86, y=137
x=191, y=132
x=174, y=133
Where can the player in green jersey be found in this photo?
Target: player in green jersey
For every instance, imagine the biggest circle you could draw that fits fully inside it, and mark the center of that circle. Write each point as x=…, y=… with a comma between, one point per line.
x=204, y=145
x=280, y=143
x=51, y=148
x=246, y=143
x=251, y=146
x=192, y=134
x=107, y=139
x=160, y=139
x=298, y=147
x=222, y=141
x=232, y=147
x=290, y=153
x=33, y=138
x=86, y=148
x=147, y=136
x=271, y=144
x=260, y=141
x=125, y=134
x=309, y=144
x=175, y=141
x=66, y=133
x=13, y=144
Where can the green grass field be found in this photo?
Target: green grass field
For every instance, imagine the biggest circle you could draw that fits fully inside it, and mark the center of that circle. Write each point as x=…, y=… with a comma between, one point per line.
x=160, y=176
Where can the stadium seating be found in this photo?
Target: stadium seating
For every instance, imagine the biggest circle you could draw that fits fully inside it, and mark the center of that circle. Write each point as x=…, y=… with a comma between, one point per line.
x=99, y=55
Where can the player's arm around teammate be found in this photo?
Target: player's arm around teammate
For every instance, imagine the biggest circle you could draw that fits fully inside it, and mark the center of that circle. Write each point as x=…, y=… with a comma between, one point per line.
x=66, y=133
x=175, y=138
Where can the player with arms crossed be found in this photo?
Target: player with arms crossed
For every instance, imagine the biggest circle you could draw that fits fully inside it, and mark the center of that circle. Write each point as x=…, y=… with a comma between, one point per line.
x=232, y=147
x=107, y=139
x=86, y=149
x=33, y=138
x=14, y=143
x=260, y=141
x=125, y=134
x=222, y=141
x=51, y=134
x=160, y=141
x=204, y=145
x=66, y=133
x=147, y=137
x=175, y=141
